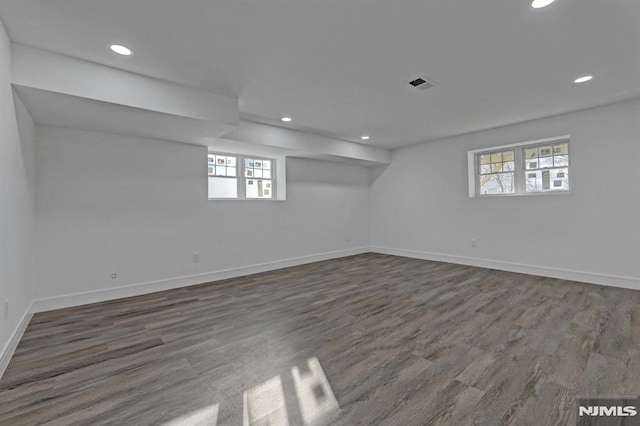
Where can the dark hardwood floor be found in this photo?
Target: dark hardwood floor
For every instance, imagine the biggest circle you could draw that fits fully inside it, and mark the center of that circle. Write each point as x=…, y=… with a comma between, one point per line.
x=397, y=341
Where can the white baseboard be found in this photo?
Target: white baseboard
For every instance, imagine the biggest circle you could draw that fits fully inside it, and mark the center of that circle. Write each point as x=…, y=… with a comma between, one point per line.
x=12, y=344
x=83, y=298
x=564, y=274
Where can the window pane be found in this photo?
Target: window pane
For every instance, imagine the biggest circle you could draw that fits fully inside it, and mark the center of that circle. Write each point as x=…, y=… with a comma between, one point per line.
x=560, y=179
x=533, y=181
x=547, y=180
x=545, y=162
x=531, y=153
x=561, y=160
x=485, y=169
x=545, y=151
x=561, y=149
x=231, y=161
x=223, y=187
x=210, y=170
x=509, y=166
x=266, y=164
x=532, y=164
x=257, y=173
x=231, y=171
x=266, y=174
x=485, y=159
x=500, y=183
x=495, y=168
x=496, y=158
x=507, y=156
x=259, y=188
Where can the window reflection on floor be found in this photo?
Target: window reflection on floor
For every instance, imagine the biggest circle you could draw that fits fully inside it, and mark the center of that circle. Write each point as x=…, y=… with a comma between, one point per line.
x=265, y=404
x=317, y=403
x=204, y=416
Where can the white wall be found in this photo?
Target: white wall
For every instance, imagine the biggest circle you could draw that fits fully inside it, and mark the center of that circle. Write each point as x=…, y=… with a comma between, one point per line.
x=420, y=205
x=16, y=205
x=138, y=207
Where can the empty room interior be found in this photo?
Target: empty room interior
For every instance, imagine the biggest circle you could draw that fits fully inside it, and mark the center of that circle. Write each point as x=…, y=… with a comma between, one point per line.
x=309, y=213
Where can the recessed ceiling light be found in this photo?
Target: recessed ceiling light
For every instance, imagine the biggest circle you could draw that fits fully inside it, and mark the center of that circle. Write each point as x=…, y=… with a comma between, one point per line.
x=286, y=119
x=537, y=4
x=121, y=50
x=364, y=138
x=583, y=79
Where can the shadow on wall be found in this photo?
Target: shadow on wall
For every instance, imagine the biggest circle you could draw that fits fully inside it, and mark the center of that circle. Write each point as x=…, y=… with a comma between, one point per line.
x=376, y=172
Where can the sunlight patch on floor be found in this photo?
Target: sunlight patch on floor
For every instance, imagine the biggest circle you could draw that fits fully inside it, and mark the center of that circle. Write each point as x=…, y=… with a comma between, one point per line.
x=318, y=404
x=205, y=416
x=265, y=404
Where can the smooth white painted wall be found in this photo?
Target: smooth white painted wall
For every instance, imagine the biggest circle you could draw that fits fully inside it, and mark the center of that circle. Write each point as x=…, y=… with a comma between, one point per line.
x=107, y=203
x=420, y=201
x=16, y=201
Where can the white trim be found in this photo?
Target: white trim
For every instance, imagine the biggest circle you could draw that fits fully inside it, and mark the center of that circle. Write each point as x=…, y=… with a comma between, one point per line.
x=94, y=296
x=12, y=344
x=543, y=271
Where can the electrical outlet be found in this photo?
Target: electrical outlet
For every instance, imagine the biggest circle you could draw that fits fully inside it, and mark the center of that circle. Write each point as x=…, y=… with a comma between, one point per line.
x=114, y=276
x=196, y=257
x=6, y=308
x=474, y=243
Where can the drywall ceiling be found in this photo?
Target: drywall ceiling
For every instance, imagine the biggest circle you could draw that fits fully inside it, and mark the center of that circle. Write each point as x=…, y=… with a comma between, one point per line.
x=63, y=110
x=342, y=67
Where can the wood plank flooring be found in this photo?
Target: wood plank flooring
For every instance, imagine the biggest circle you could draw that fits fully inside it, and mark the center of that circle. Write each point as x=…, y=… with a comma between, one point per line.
x=398, y=341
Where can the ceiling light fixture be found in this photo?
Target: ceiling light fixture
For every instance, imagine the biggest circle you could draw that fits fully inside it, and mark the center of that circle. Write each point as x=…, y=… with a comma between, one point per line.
x=537, y=4
x=121, y=50
x=364, y=138
x=286, y=119
x=583, y=79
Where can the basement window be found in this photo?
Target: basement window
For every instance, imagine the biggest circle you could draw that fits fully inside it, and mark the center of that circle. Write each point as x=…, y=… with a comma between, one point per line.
x=223, y=175
x=240, y=177
x=258, y=177
x=535, y=167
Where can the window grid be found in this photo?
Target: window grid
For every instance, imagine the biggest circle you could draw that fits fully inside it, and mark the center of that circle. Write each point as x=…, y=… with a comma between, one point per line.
x=258, y=178
x=546, y=167
x=241, y=177
x=222, y=165
x=537, y=167
x=496, y=172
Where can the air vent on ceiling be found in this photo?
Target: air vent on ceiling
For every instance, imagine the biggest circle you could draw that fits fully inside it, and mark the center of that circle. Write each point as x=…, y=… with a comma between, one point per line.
x=422, y=83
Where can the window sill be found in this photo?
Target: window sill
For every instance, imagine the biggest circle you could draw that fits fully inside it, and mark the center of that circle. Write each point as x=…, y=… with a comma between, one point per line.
x=532, y=194
x=244, y=199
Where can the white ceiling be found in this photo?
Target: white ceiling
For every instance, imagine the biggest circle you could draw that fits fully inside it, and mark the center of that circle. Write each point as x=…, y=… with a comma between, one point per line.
x=341, y=67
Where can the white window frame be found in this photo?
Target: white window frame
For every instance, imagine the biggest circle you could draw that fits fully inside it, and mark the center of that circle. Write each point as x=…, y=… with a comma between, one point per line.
x=518, y=178
x=237, y=177
x=241, y=178
x=274, y=183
